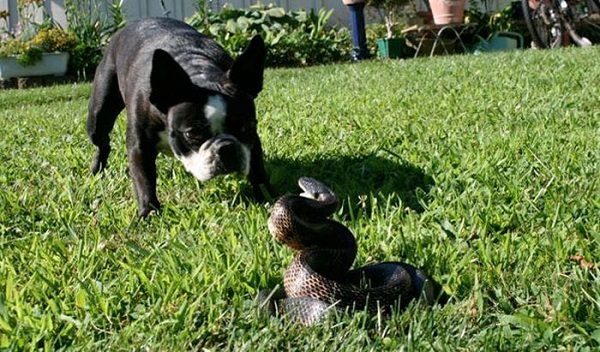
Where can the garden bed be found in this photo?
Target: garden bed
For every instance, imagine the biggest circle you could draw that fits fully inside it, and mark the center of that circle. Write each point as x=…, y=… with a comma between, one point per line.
x=34, y=82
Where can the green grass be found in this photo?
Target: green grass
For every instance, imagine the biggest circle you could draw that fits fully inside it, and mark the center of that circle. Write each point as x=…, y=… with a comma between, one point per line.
x=482, y=169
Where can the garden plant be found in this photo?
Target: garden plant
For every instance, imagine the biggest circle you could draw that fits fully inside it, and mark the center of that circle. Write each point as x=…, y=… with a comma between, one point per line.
x=32, y=37
x=293, y=38
x=88, y=31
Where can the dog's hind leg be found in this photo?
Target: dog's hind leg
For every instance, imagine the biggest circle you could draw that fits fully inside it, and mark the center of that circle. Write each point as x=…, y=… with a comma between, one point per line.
x=105, y=105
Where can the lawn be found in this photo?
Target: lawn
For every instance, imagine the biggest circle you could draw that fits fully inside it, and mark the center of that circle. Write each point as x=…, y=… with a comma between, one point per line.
x=484, y=170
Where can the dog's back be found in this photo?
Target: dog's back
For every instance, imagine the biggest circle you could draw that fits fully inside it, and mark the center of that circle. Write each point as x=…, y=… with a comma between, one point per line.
x=202, y=58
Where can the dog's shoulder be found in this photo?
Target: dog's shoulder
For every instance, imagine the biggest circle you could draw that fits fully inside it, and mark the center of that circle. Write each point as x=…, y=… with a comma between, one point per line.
x=134, y=46
x=160, y=33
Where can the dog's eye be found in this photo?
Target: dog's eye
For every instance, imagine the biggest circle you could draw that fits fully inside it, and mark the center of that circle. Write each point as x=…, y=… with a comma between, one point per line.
x=192, y=135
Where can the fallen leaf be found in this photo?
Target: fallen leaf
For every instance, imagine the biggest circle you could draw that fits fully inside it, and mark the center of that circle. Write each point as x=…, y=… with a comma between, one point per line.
x=583, y=263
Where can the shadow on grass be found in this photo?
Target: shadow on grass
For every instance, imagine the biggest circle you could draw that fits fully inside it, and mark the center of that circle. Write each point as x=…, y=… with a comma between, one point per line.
x=354, y=177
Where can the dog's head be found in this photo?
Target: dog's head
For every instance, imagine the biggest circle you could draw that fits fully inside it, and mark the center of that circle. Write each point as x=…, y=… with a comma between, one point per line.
x=211, y=128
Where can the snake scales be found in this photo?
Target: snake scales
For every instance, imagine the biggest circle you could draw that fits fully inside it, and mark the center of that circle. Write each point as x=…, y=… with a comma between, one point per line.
x=319, y=276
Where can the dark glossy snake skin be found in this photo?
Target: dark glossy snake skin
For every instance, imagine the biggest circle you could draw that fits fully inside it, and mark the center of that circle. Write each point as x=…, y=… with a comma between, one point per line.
x=319, y=277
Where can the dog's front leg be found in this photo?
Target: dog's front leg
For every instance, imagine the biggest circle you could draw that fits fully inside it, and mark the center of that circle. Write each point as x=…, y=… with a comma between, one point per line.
x=142, y=154
x=258, y=175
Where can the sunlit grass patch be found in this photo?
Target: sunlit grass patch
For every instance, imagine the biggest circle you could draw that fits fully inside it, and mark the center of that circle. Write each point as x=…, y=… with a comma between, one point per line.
x=484, y=170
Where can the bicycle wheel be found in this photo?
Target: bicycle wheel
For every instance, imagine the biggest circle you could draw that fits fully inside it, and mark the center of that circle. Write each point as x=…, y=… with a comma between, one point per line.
x=543, y=22
x=583, y=22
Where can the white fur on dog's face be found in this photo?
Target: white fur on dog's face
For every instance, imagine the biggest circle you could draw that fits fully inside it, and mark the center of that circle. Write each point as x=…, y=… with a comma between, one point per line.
x=215, y=112
x=205, y=163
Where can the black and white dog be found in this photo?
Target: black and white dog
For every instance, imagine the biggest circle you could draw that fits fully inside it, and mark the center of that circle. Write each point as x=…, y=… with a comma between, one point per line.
x=184, y=96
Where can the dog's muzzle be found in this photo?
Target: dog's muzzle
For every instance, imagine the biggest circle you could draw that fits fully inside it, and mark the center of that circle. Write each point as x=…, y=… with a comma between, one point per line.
x=222, y=154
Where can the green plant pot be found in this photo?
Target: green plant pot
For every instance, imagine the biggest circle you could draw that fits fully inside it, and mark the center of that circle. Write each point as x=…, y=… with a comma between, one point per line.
x=391, y=48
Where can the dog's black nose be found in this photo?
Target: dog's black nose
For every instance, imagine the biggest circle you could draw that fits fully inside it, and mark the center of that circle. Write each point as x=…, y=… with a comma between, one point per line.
x=229, y=155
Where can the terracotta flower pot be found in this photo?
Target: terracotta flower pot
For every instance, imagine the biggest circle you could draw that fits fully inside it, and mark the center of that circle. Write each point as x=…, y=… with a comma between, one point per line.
x=447, y=11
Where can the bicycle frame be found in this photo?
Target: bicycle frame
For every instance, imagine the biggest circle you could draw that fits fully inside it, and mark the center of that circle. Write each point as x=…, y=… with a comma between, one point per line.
x=552, y=23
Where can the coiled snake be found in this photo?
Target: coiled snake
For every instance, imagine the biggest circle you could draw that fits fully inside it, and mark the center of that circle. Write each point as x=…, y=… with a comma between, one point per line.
x=319, y=276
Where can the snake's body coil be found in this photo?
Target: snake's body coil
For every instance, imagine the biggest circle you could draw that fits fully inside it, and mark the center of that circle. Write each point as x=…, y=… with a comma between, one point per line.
x=319, y=278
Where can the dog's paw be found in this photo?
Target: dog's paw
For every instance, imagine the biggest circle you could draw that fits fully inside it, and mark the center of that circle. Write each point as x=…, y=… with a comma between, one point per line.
x=96, y=167
x=264, y=192
x=148, y=211
x=100, y=159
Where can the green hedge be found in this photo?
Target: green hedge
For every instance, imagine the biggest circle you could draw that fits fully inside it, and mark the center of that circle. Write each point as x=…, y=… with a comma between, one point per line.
x=294, y=38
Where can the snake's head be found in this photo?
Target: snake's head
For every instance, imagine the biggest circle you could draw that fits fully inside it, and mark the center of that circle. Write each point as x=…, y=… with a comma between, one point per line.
x=316, y=190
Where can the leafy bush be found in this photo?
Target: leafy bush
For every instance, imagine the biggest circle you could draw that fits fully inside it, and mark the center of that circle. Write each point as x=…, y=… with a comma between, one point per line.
x=54, y=39
x=32, y=36
x=25, y=53
x=504, y=20
x=28, y=52
x=92, y=29
x=295, y=38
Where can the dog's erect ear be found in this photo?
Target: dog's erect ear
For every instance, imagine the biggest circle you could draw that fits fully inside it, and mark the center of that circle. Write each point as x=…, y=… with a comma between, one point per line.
x=247, y=70
x=169, y=83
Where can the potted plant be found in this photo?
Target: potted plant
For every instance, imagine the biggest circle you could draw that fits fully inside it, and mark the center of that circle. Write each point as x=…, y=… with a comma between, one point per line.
x=447, y=11
x=47, y=53
x=390, y=11
x=36, y=47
